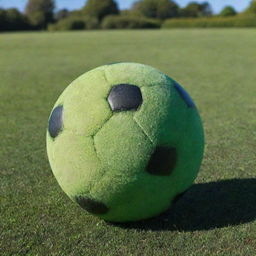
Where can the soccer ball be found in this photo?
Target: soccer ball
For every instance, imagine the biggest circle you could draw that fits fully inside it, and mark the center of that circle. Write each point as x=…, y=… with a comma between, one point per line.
x=124, y=140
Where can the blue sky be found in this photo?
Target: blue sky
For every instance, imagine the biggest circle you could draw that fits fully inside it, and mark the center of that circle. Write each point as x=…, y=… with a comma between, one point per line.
x=75, y=4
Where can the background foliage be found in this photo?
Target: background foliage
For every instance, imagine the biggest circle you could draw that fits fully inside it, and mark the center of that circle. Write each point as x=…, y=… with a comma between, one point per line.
x=41, y=14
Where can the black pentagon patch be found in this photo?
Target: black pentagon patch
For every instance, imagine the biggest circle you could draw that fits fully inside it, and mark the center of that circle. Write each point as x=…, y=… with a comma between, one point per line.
x=184, y=95
x=90, y=205
x=56, y=122
x=162, y=161
x=125, y=97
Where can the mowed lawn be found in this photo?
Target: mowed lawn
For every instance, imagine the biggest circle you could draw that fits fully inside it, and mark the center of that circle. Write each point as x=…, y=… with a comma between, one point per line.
x=217, y=216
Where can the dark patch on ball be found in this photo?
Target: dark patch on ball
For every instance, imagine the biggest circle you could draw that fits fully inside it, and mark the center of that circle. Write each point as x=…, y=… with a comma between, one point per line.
x=56, y=122
x=91, y=205
x=162, y=161
x=125, y=97
x=184, y=95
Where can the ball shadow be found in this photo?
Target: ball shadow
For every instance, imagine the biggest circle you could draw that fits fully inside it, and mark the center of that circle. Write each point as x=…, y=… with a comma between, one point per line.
x=206, y=206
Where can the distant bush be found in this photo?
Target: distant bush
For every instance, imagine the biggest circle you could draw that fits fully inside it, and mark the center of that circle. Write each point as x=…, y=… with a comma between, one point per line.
x=11, y=19
x=129, y=22
x=68, y=24
x=75, y=23
x=91, y=23
x=235, y=21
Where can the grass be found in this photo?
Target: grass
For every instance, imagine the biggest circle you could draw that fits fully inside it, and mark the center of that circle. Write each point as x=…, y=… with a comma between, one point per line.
x=215, y=217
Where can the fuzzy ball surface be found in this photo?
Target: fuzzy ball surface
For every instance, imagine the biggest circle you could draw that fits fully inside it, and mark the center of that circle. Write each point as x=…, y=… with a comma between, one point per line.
x=124, y=140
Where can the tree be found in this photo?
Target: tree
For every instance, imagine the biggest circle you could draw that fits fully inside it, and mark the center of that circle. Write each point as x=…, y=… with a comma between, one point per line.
x=252, y=7
x=160, y=9
x=62, y=14
x=167, y=9
x=40, y=12
x=100, y=8
x=3, y=20
x=15, y=20
x=194, y=9
x=228, y=11
x=206, y=9
x=147, y=8
x=12, y=19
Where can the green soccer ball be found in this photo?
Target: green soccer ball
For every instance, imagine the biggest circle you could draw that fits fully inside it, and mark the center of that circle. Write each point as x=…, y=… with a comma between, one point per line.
x=124, y=140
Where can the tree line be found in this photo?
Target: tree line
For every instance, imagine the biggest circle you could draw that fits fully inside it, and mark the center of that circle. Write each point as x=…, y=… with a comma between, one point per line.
x=95, y=14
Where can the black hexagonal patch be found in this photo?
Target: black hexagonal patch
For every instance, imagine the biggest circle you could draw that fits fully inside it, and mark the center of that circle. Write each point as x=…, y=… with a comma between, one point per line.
x=91, y=205
x=184, y=95
x=124, y=97
x=55, y=124
x=162, y=161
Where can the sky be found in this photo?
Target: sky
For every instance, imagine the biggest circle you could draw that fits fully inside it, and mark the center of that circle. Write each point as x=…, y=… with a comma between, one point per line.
x=217, y=5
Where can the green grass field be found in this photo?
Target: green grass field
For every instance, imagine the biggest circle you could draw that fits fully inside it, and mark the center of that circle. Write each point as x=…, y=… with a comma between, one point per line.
x=217, y=216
